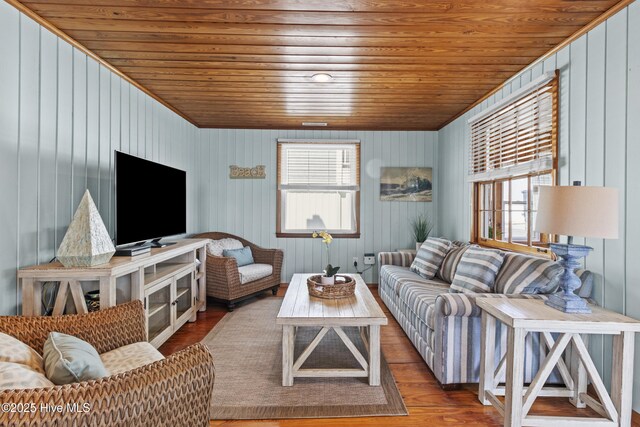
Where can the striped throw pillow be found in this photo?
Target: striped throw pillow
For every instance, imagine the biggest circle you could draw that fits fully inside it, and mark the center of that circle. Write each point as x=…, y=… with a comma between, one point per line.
x=450, y=263
x=430, y=256
x=522, y=274
x=477, y=270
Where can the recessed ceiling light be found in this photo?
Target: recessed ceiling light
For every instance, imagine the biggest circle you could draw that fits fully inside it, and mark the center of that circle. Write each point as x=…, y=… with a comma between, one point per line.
x=322, y=77
x=315, y=124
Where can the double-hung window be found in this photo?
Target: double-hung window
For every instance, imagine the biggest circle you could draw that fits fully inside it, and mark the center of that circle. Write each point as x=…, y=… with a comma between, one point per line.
x=318, y=187
x=513, y=152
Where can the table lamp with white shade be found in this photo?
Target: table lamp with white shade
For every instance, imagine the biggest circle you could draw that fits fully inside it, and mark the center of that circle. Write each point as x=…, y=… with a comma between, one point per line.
x=575, y=211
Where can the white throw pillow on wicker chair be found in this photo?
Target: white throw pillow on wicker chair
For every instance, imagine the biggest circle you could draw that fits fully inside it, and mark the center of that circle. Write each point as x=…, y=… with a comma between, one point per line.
x=15, y=376
x=215, y=247
x=15, y=351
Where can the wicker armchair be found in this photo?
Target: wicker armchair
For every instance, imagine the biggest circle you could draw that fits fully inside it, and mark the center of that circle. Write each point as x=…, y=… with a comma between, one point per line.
x=171, y=392
x=223, y=280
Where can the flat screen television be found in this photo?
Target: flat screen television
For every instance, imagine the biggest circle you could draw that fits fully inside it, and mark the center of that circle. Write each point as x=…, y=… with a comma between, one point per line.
x=151, y=200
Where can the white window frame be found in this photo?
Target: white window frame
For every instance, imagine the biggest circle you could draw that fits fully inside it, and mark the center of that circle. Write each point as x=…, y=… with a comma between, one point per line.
x=281, y=190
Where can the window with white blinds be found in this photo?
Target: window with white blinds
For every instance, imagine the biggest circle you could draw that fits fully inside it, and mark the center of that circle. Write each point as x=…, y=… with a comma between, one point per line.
x=318, y=187
x=513, y=152
x=518, y=135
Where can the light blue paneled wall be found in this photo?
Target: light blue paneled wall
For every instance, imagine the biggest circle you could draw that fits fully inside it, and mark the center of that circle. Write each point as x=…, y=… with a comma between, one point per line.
x=247, y=207
x=599, y=145
x=62, y=115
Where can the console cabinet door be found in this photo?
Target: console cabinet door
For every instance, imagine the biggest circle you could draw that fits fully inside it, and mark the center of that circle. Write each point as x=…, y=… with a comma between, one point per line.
x=184, y=300
x=160, y=317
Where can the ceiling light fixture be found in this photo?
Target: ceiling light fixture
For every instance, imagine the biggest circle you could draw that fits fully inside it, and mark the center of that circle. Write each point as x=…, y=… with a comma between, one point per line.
x=322, y=77
x=314, y=124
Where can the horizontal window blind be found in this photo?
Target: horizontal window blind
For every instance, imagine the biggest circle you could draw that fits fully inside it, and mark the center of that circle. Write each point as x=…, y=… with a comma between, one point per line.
x=318, y=187
x=307, y=166
x=517, y=136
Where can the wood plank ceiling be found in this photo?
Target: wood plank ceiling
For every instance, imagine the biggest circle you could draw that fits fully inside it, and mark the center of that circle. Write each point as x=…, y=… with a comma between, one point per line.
x=396, y=64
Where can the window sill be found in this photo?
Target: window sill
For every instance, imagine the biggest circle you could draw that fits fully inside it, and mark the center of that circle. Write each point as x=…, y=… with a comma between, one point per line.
x=512, y=247
x=308, y=235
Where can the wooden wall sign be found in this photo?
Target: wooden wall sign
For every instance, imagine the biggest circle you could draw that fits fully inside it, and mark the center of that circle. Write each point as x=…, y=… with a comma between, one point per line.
x=258, y=172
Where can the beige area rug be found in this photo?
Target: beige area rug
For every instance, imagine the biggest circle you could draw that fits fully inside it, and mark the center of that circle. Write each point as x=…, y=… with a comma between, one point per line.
x=247, y=352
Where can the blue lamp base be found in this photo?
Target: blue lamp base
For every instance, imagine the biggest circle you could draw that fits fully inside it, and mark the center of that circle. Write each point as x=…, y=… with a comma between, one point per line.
x=566, y=300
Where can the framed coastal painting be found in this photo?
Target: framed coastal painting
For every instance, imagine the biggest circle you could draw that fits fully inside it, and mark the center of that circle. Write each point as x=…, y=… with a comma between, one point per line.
x=406, y=184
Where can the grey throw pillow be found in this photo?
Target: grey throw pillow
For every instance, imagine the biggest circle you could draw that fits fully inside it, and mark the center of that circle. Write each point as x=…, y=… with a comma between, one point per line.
x=450, y=263
x=430, y=256
x=522, y=274
x=68, y=359
x=477, y=270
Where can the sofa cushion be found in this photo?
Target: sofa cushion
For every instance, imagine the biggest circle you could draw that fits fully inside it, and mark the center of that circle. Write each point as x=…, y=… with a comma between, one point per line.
x=243, y=256
x=253, y=272
x=418, y=297
x=216, y=247
x=396, y=277
x=450, y=263
x=14, y=350
x=130, y=357
x=68, y=359
x=477, y=270
x=523, y=274
x=430, y=256
x=19, y=376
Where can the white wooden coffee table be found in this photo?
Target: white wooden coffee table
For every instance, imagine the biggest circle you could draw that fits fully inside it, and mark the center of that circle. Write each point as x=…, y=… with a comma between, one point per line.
x=301, y=310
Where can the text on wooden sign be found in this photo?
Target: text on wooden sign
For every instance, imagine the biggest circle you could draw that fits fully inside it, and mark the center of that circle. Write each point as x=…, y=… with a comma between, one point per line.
x=258, y=172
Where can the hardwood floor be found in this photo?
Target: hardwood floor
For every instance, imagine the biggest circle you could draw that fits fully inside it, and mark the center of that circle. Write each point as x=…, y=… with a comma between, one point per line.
x=428, y=404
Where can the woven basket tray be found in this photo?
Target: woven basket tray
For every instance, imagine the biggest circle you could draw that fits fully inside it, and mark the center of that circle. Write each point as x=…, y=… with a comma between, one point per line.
x=338, y=290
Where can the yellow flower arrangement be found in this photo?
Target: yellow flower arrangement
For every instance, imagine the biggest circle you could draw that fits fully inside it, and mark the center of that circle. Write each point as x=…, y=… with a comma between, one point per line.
x=326, y=239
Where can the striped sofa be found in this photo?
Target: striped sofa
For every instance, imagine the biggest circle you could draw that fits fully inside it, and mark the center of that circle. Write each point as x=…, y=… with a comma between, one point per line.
x=445, y=327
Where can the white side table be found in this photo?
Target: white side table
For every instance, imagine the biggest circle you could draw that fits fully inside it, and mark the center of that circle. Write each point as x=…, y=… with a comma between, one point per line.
x=522, y=316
